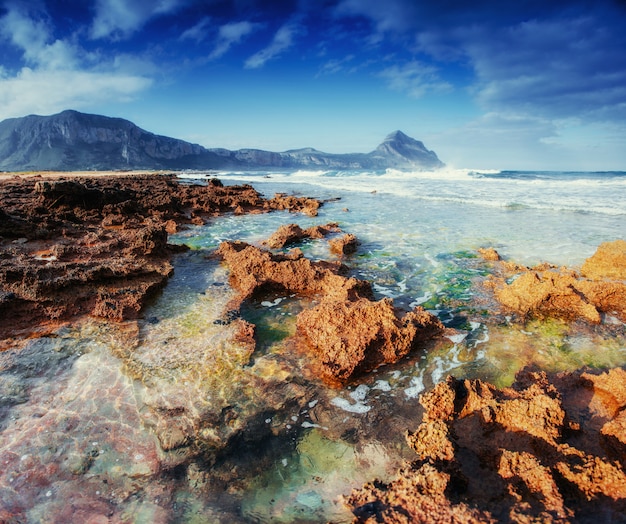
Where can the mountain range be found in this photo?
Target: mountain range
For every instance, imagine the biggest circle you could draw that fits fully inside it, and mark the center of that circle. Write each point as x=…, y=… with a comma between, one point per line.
x=71, y=141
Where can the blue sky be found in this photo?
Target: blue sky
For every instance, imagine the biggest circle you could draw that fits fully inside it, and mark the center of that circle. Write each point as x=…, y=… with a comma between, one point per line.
x=486, y=84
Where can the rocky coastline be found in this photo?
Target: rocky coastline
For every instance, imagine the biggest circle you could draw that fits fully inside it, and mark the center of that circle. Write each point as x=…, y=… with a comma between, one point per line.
x=98, y=245
x=551, y=447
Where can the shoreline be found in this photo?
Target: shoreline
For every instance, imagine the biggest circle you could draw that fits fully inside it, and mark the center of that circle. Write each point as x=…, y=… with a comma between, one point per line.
x=79, y=225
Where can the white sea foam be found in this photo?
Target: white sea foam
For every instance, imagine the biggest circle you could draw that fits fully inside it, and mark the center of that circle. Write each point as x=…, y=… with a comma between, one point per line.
x=416, y=387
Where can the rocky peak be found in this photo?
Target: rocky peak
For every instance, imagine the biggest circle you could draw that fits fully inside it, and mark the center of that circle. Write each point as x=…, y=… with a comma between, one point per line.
x=402, y=149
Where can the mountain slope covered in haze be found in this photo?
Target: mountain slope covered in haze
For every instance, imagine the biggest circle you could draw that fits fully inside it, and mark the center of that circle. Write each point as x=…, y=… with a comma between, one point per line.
x=78, y=141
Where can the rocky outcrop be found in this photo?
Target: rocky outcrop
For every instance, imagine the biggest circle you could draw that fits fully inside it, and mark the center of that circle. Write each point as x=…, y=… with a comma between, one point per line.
x=98, y=245
x=547, y=449
x=347, y=333
x=254, y=270
x=77, y=141
x=608, y=262
x=547, y=291
x=352, y=337
x=345, y=245
x=293, y=233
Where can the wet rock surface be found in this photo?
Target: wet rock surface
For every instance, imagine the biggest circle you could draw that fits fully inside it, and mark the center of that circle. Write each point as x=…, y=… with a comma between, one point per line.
x=546, y=291
x=293, y=233
x=347, y=333
x=352, y=337
x=549, y=448
x=98, y=245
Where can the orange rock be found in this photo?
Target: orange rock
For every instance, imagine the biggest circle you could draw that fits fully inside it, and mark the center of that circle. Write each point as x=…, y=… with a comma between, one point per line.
x=345, y=245
x=608, y=262
x=292, y=233
x=348, y=338
x=542, y=450
x=489, y=253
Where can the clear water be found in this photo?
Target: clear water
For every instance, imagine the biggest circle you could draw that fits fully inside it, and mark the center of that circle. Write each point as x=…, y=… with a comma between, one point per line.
x=170, y=419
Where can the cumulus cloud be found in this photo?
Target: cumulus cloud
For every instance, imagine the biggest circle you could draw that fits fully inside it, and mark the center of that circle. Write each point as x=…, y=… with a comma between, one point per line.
x=283, y=40
x=56, y=72
x=49, y=91
x=415, y=79
x=32, y=36
x=231, y=34
x=118, y=19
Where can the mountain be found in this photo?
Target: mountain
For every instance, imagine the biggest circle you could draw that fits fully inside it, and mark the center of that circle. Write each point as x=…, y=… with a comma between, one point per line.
x=77, y=141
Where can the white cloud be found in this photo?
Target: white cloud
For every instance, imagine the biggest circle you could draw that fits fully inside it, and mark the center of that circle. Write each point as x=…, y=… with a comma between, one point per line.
x=231, y=34
x=561, y=68
x=394, y=16
x=32, y=37
x=118, y=19
x=415, y=78
x=198, y=32
x=283, y=40
x=56, y=74
x=47, y=92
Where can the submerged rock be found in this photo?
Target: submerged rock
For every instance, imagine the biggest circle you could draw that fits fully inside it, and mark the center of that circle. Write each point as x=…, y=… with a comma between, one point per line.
x=545, y=449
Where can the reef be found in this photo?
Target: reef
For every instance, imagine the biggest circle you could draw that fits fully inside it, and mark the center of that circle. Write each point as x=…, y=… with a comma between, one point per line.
x=98, y=246
x=347, y=333
x=599, y=288
x=550, y=448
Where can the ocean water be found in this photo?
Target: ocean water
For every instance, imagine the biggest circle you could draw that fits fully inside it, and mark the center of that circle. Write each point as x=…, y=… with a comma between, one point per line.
x=170, y=419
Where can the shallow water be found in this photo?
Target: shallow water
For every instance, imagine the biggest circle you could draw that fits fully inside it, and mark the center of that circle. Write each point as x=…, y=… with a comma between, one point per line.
x=171, y=419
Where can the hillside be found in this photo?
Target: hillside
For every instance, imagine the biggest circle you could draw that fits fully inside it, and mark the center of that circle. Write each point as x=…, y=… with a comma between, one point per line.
x=78, y=141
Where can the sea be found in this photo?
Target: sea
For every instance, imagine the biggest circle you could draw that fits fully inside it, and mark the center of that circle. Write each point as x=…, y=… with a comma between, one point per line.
x=169, y=419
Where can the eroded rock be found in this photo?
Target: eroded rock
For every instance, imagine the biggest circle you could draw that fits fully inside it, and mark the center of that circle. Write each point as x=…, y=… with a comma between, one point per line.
x=349, y=338
x=98, y=245
x=293, y=233
x=547, y=291
x=347, y=333
x=254, y=270
x=542, y=450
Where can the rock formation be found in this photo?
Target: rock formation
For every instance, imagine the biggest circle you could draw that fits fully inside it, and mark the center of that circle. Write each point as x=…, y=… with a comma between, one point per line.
x=293, y=233
x=548, y=449
x=547, y=291
x=347, y=333
x=351, y=337
x=98, y=245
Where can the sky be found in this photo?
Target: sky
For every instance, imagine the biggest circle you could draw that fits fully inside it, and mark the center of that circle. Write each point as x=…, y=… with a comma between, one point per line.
x=486, y=84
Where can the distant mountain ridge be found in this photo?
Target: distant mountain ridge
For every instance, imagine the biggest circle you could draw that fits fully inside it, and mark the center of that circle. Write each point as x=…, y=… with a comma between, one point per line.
x=71, y=140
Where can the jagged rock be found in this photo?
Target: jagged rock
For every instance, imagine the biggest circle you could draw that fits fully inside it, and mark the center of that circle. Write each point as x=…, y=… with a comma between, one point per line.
x=308, y=206
x=489, y=253
x=293, y=233
x=347, y=333
x=345, y=245
x=538, y=451
x=545, y=291
x=255, y=270
x=349, y=338
x=608, y=262
x=98, y=245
